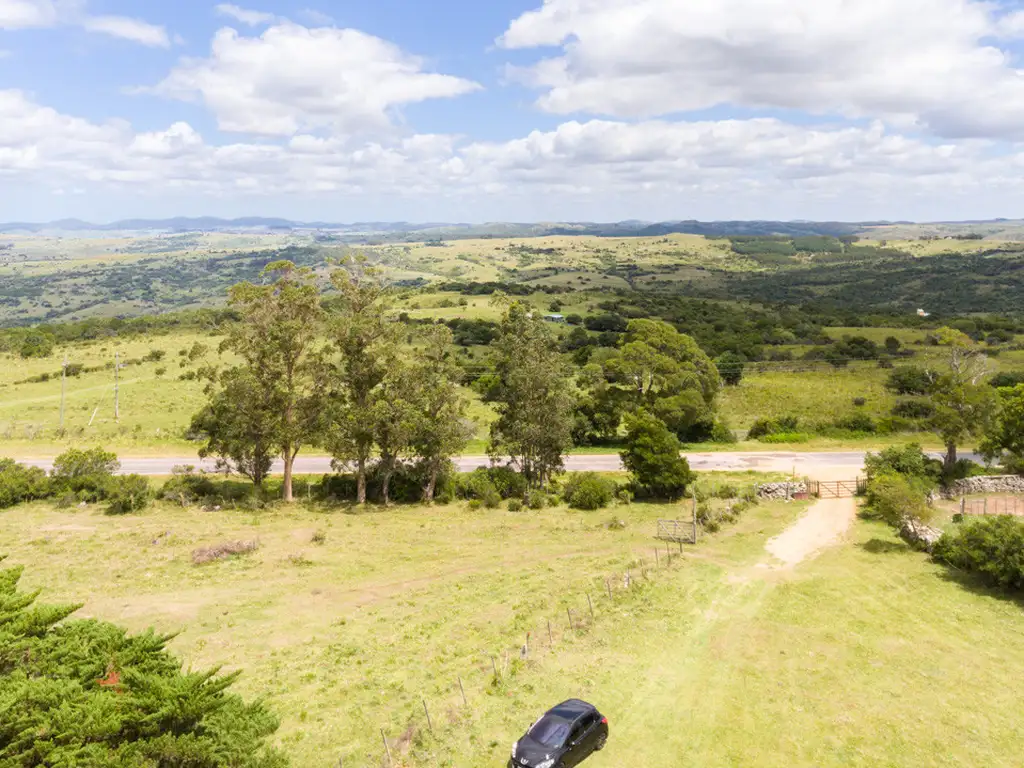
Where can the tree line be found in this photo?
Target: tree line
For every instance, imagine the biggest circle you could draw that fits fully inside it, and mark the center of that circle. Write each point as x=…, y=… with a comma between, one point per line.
x=383, y=397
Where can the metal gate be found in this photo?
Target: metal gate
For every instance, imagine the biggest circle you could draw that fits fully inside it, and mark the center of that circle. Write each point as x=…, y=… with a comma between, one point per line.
x=682, y=531
x=837, y=489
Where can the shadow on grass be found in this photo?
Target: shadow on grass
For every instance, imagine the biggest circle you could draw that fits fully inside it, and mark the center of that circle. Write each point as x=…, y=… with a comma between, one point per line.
x=976, y=585
x=884, y=547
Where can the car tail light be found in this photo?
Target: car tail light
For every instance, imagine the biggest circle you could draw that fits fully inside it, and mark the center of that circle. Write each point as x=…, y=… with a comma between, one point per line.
x=604, y=721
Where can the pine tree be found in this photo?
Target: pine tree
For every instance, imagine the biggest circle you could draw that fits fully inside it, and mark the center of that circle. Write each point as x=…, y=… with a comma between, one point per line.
x=86, y=693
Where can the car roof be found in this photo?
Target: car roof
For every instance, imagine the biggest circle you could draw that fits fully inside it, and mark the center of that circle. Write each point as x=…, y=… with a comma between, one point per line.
x=572, y=709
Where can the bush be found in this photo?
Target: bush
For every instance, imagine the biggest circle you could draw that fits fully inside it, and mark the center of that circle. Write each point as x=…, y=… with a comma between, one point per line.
x=652, y=457
x=474, y=505
x=536, y=500
x=857, y=422
x=913, y=409
x=893, y=498
x=588, y=491
x=909, y=380
x=187, y=486
x=485, y=482
x=764, y=427
x=908, y=460
x=727, y=491
x=19, y=483
x=860, y=402
x=129, y=493
x=894, y=425
x=515, y=505
x=1008, y=379
x=992, y=547
x=730, y=367
x=86, y=693
x=86, y=473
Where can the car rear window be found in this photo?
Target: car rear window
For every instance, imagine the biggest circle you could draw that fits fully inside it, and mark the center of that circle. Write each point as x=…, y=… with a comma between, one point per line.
x=550, y=731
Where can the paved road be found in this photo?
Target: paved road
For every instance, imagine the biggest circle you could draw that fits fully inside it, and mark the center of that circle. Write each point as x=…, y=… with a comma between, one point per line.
x=818, y=465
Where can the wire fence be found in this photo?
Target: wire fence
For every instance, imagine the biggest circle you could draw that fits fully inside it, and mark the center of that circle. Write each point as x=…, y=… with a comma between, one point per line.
x=1007, y=505
x=495, y=667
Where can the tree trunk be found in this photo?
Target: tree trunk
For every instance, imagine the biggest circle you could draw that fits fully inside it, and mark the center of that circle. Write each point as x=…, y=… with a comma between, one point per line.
x=361, y=481
x=385, y=487
x=428, y=491
x=950, y=463
x=289, y=461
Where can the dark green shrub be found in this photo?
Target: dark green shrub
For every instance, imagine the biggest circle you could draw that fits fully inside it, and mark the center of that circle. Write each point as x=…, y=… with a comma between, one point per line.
x=764, y=427
x=491, y=499
x=86, y=473
x=857, y=422
x=515, y=505
x=909, y=380
x=474, y=504
x=860, y=402
x=187, y=486
x=913, y=409
x=485, y=481
x=727, y=491
x=19, y=483
x=908, y=460
x=127, y=494
x=992, y=547
x=730, y=367
x=86, y=693
x=894, y=425
x=1007, y=379
x=588, y=491
x=653, y=459
x=721, y=433
x=536, y=500
x=893, y=498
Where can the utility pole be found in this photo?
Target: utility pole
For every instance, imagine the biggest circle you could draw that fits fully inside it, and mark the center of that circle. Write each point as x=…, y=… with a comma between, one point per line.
x=117, y=375
x=63, y=386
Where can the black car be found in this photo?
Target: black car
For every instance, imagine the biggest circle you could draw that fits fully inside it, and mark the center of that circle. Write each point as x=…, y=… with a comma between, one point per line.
x=566, y=736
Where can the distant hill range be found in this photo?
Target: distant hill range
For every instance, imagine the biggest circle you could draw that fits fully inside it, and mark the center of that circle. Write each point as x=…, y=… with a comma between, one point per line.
x=410, y=232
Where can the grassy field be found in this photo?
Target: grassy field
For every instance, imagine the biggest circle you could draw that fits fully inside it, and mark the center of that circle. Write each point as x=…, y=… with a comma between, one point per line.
x=858, y=658
x=156, y=409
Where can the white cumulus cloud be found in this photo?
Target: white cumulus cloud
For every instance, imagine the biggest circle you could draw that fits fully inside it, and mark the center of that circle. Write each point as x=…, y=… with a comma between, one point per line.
x=658, y=169
x=291, y=79
x=929, y=64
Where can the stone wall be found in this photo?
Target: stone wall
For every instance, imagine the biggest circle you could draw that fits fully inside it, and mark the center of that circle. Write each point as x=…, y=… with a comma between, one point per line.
x=983, y=485
x=780, y=490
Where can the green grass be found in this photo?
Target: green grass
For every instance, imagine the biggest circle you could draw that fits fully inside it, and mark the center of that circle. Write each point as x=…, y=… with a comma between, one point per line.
x=866, y=656
x=817, y=396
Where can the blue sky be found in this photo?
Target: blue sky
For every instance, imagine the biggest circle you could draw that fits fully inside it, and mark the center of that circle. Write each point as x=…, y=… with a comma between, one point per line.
x=511, y=110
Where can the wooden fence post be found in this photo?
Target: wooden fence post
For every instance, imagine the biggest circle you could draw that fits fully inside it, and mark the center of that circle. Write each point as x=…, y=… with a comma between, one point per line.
x=657, y=558
x=463, y=691
x=387, y=749
x=591, y=604
x=568, y=612
x=550, y=640
x=426, y=711
x=694, y=522
x=494, y=667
